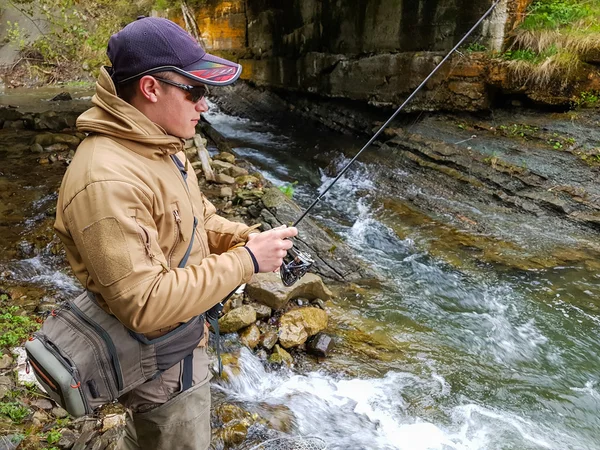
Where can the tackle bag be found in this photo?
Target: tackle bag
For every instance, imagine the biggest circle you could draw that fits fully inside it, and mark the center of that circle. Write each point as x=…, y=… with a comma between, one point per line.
x=85, y=358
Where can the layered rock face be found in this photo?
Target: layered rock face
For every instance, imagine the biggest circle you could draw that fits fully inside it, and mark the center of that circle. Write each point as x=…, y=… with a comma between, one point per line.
x=372, y=50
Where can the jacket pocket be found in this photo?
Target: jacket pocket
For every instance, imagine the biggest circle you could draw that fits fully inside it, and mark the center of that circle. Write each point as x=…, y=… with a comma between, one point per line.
x=178, y=232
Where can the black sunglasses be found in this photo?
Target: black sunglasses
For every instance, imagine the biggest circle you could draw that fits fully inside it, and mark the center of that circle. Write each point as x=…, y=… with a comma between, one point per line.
x=194, y=93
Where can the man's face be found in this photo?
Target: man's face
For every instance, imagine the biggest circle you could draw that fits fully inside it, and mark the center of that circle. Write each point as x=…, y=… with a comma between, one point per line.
x=178, y=114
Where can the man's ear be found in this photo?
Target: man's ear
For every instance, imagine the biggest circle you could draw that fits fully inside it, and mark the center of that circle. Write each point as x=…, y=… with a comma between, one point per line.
x=150, y=88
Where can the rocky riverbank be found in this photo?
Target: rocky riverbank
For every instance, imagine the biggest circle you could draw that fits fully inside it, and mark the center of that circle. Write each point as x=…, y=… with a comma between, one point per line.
x=279, y=324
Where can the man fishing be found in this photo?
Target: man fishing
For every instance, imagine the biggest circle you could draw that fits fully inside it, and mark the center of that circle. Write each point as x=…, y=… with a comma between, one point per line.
x=138, y=232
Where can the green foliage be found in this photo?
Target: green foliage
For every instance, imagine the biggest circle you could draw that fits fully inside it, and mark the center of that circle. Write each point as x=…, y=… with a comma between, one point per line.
x=529, y=55
x=288, y=189
x=14, y=411
x=14, y=328
x=78, y=30
x=518, y=130
x=588, y=98
x=552, y=14
x=476, y=47
x=53, y=436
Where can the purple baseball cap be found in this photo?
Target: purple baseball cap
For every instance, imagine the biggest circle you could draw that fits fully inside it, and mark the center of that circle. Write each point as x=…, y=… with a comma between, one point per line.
x=152, y=44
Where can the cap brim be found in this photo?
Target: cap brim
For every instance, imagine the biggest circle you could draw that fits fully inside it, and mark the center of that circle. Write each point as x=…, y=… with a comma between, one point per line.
x=212, y=70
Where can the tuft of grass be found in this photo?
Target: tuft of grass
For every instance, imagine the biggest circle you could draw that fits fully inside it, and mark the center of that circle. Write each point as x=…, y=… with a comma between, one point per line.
x=14, y=327
x=554, y=40
x=15, y=411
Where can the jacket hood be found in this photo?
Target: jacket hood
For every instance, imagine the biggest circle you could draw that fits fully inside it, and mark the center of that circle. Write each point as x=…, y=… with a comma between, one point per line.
x=112, y=116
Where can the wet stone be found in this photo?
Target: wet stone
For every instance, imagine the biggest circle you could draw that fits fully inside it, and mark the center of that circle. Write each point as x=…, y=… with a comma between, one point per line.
x=59, y=413
x=36, y=148
x=64, y=96
x=42, y=403
x=226, y=192
x=225, y=156
x=320, y=345
x=67, y=439
x=221, y=178
x=250, y=336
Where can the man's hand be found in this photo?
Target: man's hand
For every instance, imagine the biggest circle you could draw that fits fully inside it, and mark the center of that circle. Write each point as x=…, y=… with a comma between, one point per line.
x=270, y=247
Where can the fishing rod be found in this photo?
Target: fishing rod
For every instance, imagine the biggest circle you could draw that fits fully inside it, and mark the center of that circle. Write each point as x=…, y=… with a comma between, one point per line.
x=297, y=263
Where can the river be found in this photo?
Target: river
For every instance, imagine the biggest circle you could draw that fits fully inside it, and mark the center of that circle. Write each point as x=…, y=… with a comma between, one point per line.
x=441, y=355
x=476, y=357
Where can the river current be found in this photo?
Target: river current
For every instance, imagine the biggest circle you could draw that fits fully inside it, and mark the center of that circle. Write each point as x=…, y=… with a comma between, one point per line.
x=476, y=358
x=439, y=356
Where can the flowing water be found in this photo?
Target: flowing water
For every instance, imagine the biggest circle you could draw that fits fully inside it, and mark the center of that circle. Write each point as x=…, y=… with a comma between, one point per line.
x=439, y=357
x=472, y=358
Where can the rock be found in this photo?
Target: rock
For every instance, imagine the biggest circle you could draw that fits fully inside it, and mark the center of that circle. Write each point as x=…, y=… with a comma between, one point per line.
x=262, y=311
x=59, y=413
x=226, y=192
x=248, y=196
x=36, y=148
x=248, y=181
x=280, y=356
x=5, y=362
x=67, y=439
x=226, y=413
x=189, y=143
x=234, y=434
x=14, y=125
x=297, y=325
x=236, y=171
x=6, y=384
x=46, y=139
x=221, y=178
x=42, y=403
x=236, y=319
x=40, y=418
x=279, y=417
x=320, y=345
x=225, y=156
x=231, y=365
x=269, y=338
x=266, y=288
x=84, y=439
x=64, y=96
x=57, y=148
x=250, y=336
x=113, y=420
x=220, y=166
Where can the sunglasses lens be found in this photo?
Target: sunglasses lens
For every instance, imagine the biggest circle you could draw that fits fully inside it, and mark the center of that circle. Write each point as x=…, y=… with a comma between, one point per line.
x=197, y=92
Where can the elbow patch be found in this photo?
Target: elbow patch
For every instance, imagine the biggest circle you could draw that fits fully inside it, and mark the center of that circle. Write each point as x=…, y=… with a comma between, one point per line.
x=107, y=250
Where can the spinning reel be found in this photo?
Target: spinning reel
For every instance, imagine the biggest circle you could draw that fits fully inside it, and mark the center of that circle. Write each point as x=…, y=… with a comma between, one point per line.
x=295, y=265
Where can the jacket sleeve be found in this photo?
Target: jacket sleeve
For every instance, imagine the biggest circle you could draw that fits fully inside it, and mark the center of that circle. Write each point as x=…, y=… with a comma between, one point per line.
x=222, y=233
x=112, y=227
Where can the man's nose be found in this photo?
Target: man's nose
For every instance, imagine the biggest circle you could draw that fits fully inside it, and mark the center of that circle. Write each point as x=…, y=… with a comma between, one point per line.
x=202, y=106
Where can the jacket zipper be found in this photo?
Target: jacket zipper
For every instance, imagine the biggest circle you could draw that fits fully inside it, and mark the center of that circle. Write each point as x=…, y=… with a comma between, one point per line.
x=146, y=241
x=69, y=321
x=178, y=236
x=112, y=350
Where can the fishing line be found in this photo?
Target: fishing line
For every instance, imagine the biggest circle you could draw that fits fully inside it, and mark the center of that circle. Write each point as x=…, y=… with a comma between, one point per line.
x=297, y=263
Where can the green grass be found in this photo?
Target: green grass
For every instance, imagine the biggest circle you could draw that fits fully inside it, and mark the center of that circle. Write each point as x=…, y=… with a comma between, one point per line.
x=14, y=327
x=14, y=411
x=553, y=14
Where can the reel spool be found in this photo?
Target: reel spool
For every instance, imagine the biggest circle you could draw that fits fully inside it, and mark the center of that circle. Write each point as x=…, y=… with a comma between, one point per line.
x=295, y=265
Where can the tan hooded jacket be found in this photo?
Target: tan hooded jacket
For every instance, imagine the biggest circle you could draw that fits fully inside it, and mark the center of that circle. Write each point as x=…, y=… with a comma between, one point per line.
x=125, y=216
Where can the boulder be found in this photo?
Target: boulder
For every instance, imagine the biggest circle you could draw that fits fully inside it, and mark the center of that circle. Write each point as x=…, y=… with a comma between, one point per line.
x=236, y=319
x=250, y=336
x=5, y=362
x=296, y=326
x=320, y=345
x=63, y=96
x=236, y=171
x=47, y=139
x=269, y=338
x=220, y=166
x=226, y=192
x=262, y=311
x=267, y=289
x=225, y=156
x=280, y=356
x=221, y=178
